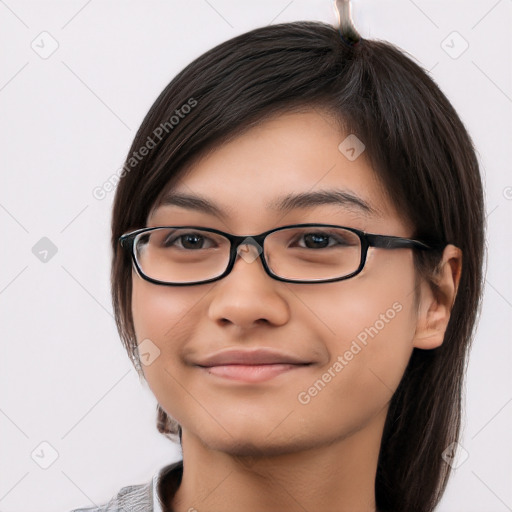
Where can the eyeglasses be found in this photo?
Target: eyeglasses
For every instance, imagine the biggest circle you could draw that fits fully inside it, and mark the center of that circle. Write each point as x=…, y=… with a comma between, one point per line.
x=299, y=253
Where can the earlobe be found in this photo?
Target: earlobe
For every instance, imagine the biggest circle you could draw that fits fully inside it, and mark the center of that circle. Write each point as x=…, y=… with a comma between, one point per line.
x=437, y=299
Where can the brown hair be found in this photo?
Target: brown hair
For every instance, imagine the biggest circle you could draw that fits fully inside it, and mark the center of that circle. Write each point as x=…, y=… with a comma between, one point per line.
x=419, y=149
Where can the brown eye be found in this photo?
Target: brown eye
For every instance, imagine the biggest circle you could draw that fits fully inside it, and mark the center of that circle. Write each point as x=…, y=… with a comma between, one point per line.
x=188, y=241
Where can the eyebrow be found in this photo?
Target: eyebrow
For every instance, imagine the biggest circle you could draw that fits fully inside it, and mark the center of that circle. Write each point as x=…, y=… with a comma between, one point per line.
x=342, y=198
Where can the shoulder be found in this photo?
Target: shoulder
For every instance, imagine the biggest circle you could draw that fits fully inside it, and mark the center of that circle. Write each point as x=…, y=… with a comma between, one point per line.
x=136, y=498
x=140, y=498
x=146, y=497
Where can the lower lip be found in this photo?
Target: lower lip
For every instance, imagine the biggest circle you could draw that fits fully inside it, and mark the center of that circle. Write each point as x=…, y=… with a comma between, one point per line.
x=251, y=373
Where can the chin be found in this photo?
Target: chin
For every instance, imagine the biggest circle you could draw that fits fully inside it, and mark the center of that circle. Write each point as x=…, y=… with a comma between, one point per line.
x=254, y=449
x=254, y=440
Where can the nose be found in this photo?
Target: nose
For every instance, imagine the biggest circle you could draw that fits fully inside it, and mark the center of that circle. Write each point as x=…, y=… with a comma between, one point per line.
x=248, y=296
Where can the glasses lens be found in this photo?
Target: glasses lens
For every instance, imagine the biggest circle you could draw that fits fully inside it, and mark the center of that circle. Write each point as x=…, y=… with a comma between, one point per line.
x=313, y=253
x=181, y=255
x=188, y=255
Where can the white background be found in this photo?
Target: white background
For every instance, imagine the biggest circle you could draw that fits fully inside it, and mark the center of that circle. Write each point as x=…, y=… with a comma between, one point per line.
x=67, y=122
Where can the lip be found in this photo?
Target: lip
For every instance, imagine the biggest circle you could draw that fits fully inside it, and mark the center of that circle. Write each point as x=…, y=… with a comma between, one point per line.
x=260, y=356
x=251, y=373
x=251, y=366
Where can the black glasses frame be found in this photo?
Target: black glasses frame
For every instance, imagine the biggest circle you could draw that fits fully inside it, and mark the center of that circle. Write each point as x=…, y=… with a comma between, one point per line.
x=367, y=240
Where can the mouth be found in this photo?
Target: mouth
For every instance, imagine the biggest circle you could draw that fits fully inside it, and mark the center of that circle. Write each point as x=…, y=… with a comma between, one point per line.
x=252, y=366
x=252, y=372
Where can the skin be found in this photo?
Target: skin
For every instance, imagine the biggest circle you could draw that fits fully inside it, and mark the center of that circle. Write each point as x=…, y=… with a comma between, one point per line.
x=256, y=447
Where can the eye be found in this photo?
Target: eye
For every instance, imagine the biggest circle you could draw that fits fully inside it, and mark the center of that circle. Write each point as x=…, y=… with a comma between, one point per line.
x=188, y=241
x=321, y=240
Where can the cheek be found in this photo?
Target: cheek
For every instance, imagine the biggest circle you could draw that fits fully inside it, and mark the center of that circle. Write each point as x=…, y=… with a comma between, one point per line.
x=167, y=317
x=367, y=325
x=160, y=311
x=164, y=316
x=378, y=310
x=152, y=313
x=374, y=305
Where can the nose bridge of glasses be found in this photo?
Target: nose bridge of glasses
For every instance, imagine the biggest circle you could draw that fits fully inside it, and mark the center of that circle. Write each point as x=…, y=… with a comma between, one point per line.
x=247, y=247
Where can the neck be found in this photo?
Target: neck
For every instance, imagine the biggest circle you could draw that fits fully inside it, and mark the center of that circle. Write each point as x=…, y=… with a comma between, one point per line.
x=337, y=476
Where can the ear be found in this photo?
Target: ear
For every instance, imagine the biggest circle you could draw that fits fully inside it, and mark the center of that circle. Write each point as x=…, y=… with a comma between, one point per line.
x=436, y=302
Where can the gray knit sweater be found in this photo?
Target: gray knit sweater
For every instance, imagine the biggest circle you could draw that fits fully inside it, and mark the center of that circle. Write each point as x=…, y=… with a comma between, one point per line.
x=146, y=497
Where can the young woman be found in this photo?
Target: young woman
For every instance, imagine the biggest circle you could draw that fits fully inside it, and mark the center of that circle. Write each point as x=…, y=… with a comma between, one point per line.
x=298, y=237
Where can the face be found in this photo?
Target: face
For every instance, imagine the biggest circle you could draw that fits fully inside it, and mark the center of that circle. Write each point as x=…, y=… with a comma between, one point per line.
x=356, y=335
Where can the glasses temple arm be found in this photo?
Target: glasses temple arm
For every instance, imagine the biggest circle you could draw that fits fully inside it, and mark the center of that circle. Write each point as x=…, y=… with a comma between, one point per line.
x=395, y=242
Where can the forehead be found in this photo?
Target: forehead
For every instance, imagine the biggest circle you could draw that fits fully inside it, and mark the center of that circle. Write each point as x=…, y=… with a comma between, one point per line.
x=292, y=161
